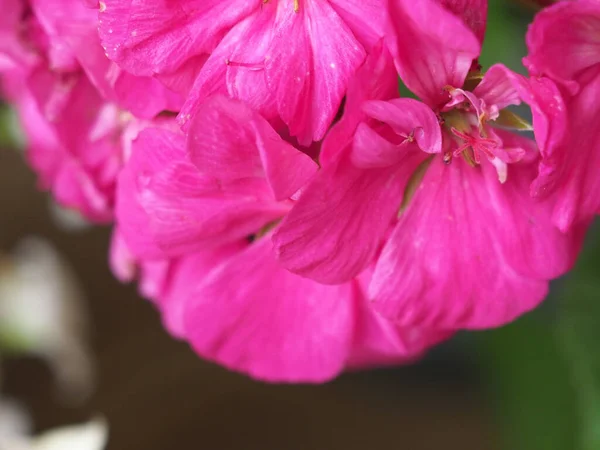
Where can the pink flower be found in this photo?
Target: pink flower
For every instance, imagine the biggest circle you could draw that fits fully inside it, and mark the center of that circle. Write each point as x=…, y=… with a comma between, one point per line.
x=433, y=191
x=207, y=204
x=564, y=46
x=74, y=153
x=14, y=51
x=66, y=92
x=291, y=59
x=73, y=32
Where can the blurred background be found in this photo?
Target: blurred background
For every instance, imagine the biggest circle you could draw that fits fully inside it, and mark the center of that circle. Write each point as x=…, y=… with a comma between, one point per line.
x=532, y=385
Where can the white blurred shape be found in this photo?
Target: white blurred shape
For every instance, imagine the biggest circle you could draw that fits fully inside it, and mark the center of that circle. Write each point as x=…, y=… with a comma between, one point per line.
x=90, y=436
x=14, y=421
x=42, y=313
x=67, y=219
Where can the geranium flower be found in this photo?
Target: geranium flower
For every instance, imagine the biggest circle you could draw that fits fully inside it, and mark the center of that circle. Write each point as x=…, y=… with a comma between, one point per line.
x=209, y=213
x=433, y=191
x=74, y=104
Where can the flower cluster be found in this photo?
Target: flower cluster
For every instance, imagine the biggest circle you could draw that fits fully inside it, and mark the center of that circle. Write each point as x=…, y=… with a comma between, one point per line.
x=287, y=211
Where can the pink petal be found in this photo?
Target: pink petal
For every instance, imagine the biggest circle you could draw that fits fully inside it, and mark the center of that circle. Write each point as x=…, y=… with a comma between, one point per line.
x=183, y=210
x=157, y=37
x=430, y=58
x=284, y=63
x=371, y=151
x=376, y=79
x=546, y=103
x=184, y=275
x=564, y=40
x=236, y=67
x=498, y=88
x=75, y=29
x=59, y=116
x=229, y=140
x=379, y=342
x=369, y=20
x=153, y=274
x=472, y=12
x=341, y=219
x=335, y=57
x=469, y=252
x=144, y=97
x=410, y=119
x=252, y=316
x=122, y=263
x=568, y=170
x=515, y=147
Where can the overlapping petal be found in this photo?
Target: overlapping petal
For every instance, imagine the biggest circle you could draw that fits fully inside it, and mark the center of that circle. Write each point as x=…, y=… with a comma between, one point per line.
x=230, y=141
x=251, y=315
x=339, y=222
x=428, y=58
x=179, y=209
x=564, y=40
x=469, y=252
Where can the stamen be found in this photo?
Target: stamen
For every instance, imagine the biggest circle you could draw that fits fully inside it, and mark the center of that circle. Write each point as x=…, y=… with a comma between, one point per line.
x=447, y=158
x=408, y=138
x=477, y=144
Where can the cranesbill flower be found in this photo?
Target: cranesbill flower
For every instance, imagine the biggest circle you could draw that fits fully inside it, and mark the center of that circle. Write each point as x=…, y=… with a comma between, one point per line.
x=209, y=212
x=286, y=58
x=434, y=191
x=564, y=45
x=74, y=104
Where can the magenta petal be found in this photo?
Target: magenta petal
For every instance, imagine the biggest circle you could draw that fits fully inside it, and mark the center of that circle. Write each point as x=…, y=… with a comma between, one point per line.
x=229, y=140
x=378, y=341
x=336, y=55
x=372, y=151
x=148, y=37
x=546, y=103
x=368, y=20
x=469, y=252
x=184, y=275
x=428, y=58
x=144, y=97
x=498, y=87
x=74, y=30
x=472, y=12
x=183, y=210
x=569, y=169
x=334, y=230
x=121, y=261
x=376, y=79
x=236, y=67
x=564, y=40
x=410, y=119
x=252, y=316
x=59, y=116
x=15, y=52
x=152, y=274
x=318, y=65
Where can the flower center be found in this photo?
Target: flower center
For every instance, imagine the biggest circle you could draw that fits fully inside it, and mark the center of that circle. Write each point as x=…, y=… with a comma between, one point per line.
x=465, y=136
